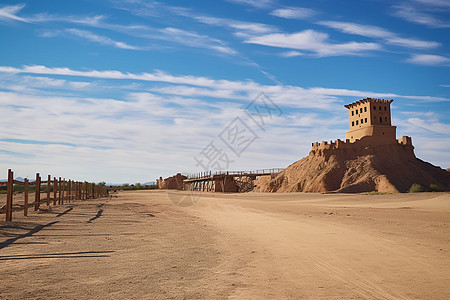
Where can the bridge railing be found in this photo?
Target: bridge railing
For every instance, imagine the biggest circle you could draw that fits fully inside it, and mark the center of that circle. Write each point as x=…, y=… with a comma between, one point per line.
x=238, y=173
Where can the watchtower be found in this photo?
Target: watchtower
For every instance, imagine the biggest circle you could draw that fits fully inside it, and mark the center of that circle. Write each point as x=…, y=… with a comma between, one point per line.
x=370, y=117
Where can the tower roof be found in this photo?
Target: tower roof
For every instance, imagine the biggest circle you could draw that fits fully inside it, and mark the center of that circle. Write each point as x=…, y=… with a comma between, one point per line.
x=370, y=100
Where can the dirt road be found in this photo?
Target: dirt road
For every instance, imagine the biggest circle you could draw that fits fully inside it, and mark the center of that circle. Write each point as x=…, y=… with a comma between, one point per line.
x=140, y=245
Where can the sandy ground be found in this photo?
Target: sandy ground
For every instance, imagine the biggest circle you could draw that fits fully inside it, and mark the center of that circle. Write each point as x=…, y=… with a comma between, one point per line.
x=140, y=245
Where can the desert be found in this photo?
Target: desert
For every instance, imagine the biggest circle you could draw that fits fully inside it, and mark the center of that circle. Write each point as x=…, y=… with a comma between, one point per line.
x=231, y=246
x=227, y=149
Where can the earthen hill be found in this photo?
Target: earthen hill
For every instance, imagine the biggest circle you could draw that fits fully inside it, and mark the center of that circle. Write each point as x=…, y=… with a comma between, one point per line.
x=370, y=159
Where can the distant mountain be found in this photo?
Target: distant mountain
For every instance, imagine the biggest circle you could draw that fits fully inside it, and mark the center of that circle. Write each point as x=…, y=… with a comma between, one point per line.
x=18, y=179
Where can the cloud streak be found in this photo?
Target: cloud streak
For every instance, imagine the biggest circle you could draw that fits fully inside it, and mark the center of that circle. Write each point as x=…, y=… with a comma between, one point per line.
x=413, y=14
x=284, y=93
x=254, y=3
x=300, y=13
x=101, y=39
x=379, y=33
x=9, y=13
x=429, y=60
x=314, y=42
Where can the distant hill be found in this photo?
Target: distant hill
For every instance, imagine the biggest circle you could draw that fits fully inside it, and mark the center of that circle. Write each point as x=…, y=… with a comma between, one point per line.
x=18, y=179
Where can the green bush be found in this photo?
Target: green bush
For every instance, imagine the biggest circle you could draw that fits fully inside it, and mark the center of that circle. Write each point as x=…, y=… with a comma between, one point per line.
x=434, y=188
x=416, y=188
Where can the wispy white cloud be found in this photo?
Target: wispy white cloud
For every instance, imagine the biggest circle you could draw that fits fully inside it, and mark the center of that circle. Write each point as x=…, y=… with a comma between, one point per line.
x=143, y=32
x=313, y=41
x=429, y=60
x=416, y=15
x=39, y=84
x=241, y=28
x=294, y=13
x=412, y=43
x=193, y=39
x=291, y=54
x=379, y=33
x=9, y=12
x=101, y=39
x=284, y=93
x=437, y=127
x=255, y=3
x=442, y=3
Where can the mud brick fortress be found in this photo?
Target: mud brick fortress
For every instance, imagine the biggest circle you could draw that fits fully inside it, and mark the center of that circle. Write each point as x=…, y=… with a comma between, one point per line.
x=371, y=159
x=369, y=124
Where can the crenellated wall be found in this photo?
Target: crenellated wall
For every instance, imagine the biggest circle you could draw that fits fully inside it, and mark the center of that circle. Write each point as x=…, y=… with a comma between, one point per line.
x=363, y=142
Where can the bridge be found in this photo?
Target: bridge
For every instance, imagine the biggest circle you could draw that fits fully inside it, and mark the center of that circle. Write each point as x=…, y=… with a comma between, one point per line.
x=224, y=181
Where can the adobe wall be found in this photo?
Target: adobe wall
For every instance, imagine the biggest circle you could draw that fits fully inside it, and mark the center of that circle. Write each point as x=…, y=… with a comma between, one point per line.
x=362, y=146
x=381, y=132
x=230, y=185
x=172, y=183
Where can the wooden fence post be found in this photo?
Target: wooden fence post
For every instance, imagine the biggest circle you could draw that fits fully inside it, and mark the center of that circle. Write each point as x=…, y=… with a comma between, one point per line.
x=48, y=189
x=69, y=190
x=37, y=195
x=25, y=195
x=59, y=190
x=87, y=190
x=64, y=187
x=55, y=189
x=9, y=196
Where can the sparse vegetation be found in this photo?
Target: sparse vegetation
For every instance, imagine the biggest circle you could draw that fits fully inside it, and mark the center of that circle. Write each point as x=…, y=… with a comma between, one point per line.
x=374, y=193
x=434, y=188
x=132, y=187
x=417, y=188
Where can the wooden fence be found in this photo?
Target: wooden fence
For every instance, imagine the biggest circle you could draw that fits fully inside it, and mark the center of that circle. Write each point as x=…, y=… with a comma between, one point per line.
x=64, y=191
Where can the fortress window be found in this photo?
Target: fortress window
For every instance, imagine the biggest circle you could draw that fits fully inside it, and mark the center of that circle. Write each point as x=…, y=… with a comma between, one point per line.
x=356, y=122
x=374, y=108
x=362, y=121
x=365, y=109
x=353, y=112
x=365, y=120
x=385, y=108
x=360, y=110
x=381, y=120
x=353, y=123
x=379, y=107
x=385, y=118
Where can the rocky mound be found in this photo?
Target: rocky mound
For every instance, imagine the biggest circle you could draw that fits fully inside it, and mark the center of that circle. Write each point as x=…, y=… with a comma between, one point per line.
x=360, y=168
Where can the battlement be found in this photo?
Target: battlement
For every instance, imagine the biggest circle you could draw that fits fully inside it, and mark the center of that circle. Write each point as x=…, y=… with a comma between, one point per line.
x=339, y=144
x=368, y=100
x=405, y=140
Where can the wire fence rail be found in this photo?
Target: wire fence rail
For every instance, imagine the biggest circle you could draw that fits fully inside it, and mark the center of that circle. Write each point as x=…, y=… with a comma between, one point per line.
x=58, y=191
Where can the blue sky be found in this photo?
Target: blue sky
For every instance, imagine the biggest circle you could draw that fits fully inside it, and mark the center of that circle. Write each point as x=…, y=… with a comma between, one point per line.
x=127, y=91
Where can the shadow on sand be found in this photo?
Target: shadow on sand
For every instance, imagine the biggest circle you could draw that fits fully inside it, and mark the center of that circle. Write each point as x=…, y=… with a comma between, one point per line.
x=28, y=234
